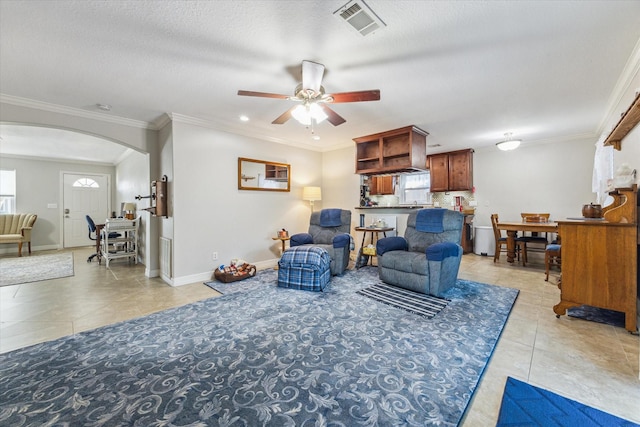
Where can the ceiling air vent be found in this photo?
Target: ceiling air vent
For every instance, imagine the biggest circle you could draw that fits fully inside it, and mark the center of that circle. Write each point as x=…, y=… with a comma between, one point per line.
x=359, y=16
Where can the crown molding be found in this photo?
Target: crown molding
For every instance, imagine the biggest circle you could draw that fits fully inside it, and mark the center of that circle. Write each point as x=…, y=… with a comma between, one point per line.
x=77, y=112
x=236, y=131
x=621, y=89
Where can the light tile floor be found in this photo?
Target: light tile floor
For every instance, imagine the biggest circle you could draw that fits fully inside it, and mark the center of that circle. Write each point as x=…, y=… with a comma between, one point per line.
x=592, y=363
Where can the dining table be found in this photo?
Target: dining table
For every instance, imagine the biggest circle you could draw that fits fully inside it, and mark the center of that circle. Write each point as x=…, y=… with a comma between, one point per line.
x=512, y=228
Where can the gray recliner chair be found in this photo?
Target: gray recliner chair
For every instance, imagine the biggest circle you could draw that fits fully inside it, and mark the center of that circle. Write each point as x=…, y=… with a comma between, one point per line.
x=329, y=229
x=427, y=258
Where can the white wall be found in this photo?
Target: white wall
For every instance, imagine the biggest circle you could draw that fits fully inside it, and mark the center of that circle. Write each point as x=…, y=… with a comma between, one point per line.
x=630, y=150
x=553, y=178
x=340, y=183
x=211, y=215
x=132, y=179
x=38, y=185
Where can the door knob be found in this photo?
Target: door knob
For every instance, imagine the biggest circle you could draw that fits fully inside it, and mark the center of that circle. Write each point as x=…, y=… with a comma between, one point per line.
x=66, y=211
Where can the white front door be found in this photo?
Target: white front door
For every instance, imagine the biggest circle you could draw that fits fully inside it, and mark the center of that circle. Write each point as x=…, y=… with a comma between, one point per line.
x=83, y=194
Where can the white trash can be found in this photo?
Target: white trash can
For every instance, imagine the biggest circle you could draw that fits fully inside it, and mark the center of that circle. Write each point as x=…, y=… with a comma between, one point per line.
x=484, y=242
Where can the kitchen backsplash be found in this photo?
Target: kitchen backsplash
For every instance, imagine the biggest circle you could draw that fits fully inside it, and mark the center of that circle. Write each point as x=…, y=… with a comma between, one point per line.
x=443, y=200
x=446, y=200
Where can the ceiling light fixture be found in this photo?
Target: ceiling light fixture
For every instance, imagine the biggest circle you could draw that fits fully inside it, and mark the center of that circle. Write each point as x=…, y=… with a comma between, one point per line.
x=509, y=143
x=305, y=113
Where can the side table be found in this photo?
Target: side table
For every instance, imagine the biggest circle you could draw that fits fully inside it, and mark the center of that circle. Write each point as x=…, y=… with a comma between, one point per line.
x=283, y=240
x=374, y=238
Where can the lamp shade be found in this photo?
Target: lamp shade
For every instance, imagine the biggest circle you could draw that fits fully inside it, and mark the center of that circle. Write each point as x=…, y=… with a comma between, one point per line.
x=311, y=193
x=129, y=207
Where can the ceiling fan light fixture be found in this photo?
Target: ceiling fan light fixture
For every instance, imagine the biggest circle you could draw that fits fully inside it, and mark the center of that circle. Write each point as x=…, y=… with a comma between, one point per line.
x=509, y=143
x=305, y=113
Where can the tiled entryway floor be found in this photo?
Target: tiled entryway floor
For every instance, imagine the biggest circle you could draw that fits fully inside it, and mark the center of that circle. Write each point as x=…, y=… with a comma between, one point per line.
x=592, y=363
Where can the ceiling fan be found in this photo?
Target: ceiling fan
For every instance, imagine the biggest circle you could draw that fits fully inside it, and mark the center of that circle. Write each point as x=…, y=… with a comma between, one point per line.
x=312, y=99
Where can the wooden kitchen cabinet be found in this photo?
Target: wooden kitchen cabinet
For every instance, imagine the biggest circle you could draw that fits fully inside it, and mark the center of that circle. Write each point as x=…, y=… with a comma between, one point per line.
x=381, y=185
x=398, y=150
x=276, y=173
x=452, y=171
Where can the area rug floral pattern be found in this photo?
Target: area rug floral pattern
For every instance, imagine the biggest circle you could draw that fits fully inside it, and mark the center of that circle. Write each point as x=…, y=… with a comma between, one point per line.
x=35, y=268
x=263, y=355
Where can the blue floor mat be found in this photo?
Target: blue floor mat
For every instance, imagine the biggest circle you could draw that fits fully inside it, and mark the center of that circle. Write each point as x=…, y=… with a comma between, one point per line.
x=525, y=405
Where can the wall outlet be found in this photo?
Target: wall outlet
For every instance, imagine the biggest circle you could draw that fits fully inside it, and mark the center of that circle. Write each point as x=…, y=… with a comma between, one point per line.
x=214, y=256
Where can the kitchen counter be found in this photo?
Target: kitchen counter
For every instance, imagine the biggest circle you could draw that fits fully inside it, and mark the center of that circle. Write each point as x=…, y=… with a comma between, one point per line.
x=393, y=207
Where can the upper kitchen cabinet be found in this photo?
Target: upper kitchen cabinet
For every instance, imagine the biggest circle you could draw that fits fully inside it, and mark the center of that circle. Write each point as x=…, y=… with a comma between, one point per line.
x=398, y=150
x=381, y=185
x=452, y=171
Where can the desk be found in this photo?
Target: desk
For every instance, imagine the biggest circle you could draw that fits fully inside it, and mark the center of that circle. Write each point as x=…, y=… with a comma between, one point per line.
x=373, y=231
x=513, y=227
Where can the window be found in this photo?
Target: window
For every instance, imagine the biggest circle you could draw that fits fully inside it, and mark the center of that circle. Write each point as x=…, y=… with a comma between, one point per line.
x=86, y=182
x=7, y=191
x=414, y=188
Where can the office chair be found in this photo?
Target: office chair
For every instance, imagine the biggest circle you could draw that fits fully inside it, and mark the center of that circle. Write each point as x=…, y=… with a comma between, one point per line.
x=92, y=229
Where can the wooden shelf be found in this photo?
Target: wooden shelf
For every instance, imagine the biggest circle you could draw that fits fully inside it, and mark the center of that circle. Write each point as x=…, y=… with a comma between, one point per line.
x=627, y=122
x=398, y=150
x=396, y=156
x=276, y=173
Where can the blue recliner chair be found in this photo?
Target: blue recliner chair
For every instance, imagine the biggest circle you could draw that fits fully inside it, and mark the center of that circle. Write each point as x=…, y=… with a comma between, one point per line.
x=329, y=229
x=427, y=258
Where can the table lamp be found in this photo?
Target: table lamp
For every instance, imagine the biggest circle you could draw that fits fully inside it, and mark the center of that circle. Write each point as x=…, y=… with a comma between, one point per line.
x=311, y=194
x=129, y=209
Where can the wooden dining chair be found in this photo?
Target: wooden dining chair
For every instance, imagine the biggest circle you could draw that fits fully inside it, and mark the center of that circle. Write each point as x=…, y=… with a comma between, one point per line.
x=551, y=257
x=501, y=243
x=536, y=242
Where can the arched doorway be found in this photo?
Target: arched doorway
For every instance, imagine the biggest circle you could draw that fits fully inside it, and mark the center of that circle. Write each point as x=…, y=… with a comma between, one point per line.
x=43, y=155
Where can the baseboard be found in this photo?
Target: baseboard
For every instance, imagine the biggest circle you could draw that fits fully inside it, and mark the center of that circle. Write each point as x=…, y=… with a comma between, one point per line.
x=12, y=248
x=207, y=276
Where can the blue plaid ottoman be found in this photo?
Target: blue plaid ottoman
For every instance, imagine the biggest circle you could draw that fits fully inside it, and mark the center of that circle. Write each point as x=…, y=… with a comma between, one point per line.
x=304, y=267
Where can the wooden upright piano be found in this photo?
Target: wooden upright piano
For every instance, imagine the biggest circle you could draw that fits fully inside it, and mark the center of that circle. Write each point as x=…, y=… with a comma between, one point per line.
x=600, y=259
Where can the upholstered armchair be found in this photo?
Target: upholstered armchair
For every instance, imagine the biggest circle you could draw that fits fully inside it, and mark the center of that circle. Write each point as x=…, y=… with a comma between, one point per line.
x=329, y=229
x=16, y=228
x=427, y=258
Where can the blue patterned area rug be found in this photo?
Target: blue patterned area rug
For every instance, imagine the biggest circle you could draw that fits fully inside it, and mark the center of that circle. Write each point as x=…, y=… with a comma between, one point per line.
x=264, y=355
x=413, y=302
x=524, y=405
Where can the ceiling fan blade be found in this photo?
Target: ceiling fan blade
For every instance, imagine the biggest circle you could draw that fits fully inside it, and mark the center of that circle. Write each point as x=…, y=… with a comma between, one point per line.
x=312, y=73
x=283, y=117
x=262, y=94
x=364, y=95
x=333, y=117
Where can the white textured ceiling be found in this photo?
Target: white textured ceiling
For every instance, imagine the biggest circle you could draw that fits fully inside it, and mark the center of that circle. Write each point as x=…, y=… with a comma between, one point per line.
x=465, y=71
